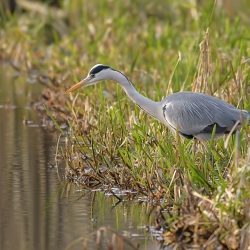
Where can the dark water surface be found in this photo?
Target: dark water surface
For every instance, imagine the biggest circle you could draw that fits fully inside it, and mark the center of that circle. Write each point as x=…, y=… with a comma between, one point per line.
x=34, y=210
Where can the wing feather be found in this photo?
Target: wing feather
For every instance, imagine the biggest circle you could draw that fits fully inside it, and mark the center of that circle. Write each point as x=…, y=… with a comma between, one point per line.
x=192, y=112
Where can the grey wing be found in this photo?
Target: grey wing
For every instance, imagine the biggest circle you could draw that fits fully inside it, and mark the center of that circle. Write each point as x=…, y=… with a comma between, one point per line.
x=193, y=113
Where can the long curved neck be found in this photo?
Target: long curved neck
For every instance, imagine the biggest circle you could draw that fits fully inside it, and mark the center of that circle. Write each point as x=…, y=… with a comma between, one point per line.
x=151, y=107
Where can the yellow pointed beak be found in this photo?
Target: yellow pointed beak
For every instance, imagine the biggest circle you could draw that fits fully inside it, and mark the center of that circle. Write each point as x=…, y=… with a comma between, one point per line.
x=78, y=85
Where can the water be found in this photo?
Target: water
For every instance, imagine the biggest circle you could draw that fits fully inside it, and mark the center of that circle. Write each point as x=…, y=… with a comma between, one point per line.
x=35, y=213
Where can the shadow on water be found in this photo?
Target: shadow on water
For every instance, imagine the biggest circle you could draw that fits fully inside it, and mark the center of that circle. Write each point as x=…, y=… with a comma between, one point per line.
x=34, y=212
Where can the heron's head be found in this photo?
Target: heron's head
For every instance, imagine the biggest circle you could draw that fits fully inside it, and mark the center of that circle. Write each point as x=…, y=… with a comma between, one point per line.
x=97, y=73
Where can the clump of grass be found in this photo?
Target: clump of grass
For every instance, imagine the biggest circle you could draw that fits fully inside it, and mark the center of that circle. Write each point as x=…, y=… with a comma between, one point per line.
x=222, y=219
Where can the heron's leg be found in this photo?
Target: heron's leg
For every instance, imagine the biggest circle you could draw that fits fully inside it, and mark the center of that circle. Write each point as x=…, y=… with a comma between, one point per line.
x=211, y=157
x=204, y=144
x=194, y=146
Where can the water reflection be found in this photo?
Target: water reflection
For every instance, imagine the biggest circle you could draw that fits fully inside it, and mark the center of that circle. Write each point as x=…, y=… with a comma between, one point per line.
x=34, y=212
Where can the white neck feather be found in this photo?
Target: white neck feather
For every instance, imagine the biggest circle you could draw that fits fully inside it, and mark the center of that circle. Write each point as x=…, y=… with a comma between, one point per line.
x=151, y=107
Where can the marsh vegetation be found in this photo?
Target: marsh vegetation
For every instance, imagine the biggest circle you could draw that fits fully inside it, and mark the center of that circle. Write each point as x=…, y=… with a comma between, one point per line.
x=112, y=146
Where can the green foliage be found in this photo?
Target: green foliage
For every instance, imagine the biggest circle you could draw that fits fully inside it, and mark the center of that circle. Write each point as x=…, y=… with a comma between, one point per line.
x=163, y=47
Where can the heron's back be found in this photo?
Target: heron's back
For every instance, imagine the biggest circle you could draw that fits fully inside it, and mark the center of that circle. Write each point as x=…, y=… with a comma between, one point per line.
x=194, y=113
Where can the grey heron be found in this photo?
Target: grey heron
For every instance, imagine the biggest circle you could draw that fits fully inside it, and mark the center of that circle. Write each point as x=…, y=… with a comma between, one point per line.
x=192, y=114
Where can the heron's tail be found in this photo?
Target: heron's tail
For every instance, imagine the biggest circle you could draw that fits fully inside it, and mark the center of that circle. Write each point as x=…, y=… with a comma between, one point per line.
x=246, y=116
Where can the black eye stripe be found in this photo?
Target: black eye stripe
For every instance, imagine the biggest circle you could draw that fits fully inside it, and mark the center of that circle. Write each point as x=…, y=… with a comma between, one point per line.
x=98, y=69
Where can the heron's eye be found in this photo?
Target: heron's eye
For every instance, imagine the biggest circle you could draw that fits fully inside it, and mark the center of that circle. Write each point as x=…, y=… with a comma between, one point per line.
x=92, y=75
